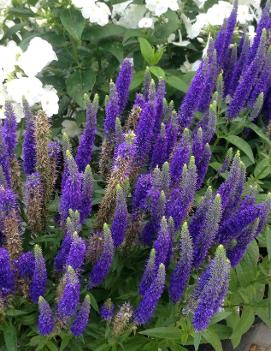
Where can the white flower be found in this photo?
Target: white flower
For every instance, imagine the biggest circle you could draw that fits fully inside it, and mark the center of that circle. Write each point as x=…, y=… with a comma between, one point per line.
x=4, y=4
x=194, y=29
x=3, y=94
x=28, y=87
x=158, y=7
x=79, y=3
x=49, y=100
x=37, y=56
x=70, y=128
x=244, y=14
x=96, y=12
x=200, y=3
x=8, y=57
x=128, y=16
x=145, y=22
x=251, y=33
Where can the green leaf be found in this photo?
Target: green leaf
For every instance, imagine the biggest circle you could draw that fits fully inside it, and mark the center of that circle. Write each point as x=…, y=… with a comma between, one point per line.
x=93, y=302
x=212, y=338
x=157, y=71
x=147, y=50
x=242, y=145
x=262, y=169
x=73, y=22
x=220, y=316
x=197, y=339
x=137, y=80
x=245, y=322
x=247, y=269
x=80, y=83
x=163, y=332
x=177, y=83
x=51, y=346
x=158, y=55
x=10, y=337
x=258, y=131
x=14, y=313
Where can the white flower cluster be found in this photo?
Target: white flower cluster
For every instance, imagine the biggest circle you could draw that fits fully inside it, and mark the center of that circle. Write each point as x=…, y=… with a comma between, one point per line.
x=18, y=72
x=216, y=15
x=95, y=11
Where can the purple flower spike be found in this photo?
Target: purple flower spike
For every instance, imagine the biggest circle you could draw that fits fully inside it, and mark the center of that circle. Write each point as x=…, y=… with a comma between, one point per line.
x=236, y=252
x=71, y=196
x=147, y=306
x=141, y=189
x=29, y=143
x=149, y=273
x=182, y=197
x=46, y=321
x=159, y=105
x=70, y=295
x=180, y=276
x=213, y=291
x=104, y=262
x=4, y=160
x=87, y=194
x=191, y=99
x=120, y=220
x=160, y=149
x=205, y=237
x=162, y=244
x=180, y=157
x=25, y=265
x=107, y=310
x=7, y=278
x=62, y=255
x=9, y=130
x=123, y=82
x=111, y=111
x=80, y=323
x=77, y=252
x=144, y=133
x=84, y=151
x=39, y=280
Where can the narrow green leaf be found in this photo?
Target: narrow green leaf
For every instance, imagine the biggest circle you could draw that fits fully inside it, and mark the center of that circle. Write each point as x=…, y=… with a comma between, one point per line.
x=93, y=302
x=147, y=50
x=242, y=145
x=246, y=321
x=262, y=169
x=220, y=316
x=259, y=132
x=163, y=332
x=212, y=338
x=157, y=71
x=73, y=22
x=10, y=337
x=177, y=83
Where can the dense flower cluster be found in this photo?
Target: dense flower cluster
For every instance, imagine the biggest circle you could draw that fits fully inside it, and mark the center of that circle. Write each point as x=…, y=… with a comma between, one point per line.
x=154, y=161
x=16, y=85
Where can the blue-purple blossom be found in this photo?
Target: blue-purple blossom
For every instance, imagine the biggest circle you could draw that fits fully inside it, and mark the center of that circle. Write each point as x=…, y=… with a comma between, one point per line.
x=180, y=276
x=214, y=290
x=123, y=82
x=87, y=194
x=181, y=198
x=63, y=252
x=77, y=252
x=120, y=220
x=180, y=157
x=162, y=244
x=159, y=105
x=149, y=273
x=25, y=265
x=149, y=301
x=46, y=320
x=111, y=110
x=85, y=147
x=107, y=310
x=70, y=295
x=160, y=149
x=71, y=195
x=4, y=160
x=141, y=189
x=29, y=143
x=81, y=320
x=144, y=133
x=39, y=278
x=9, y=129
x=7, y=277
x=103, y=264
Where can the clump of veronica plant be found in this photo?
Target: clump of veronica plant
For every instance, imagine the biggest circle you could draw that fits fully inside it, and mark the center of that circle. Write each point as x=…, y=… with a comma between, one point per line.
x=144, y=190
